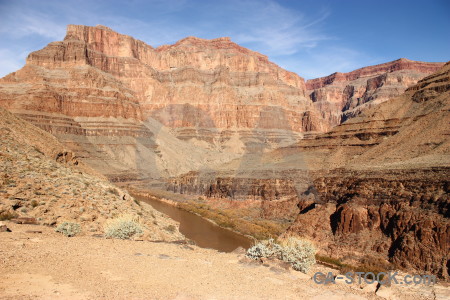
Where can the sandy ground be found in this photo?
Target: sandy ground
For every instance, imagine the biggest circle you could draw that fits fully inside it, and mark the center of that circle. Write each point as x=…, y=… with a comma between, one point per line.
x=48, y=265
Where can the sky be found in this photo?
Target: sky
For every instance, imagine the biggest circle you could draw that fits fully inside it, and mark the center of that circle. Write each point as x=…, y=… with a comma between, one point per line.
x=312, y=38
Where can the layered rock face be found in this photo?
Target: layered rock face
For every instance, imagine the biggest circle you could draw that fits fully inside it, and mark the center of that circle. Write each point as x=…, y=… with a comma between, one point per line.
x=211, y=113
x=111, y=98
x=340, y=96
x=402, y=215
x=207, y=90
x=375, y=185
x=97, y=117
x=386, y=187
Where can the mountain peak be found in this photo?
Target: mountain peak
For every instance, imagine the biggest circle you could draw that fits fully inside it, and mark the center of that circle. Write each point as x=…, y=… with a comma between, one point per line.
x=374, y=70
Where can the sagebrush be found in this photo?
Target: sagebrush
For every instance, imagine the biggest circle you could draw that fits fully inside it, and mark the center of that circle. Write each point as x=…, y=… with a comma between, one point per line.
x=123, y=227
x=68, y=229
x=298, y=252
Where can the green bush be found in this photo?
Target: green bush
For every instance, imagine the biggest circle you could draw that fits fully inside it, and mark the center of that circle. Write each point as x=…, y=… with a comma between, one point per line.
x=123, y=227
x=68, y=229
x=299, y=253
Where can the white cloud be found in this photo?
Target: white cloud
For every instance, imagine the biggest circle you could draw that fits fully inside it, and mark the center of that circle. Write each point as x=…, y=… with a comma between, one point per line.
x=277, y=31
x=41, y=24
x=11, y=61
x=293, y=39
x=326, y=60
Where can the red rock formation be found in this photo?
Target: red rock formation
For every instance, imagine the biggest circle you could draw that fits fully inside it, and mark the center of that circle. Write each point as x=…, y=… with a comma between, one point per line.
x=222, y=84
x=97, y=82
x=340, y=96
x=376, y=185
x=387, y=181
x=100, y=91
x=371, y=71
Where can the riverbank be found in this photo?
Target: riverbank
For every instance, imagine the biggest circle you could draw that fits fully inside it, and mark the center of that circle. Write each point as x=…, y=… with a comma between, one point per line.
x=38, y=263
x=242, y=220
x=205, y=233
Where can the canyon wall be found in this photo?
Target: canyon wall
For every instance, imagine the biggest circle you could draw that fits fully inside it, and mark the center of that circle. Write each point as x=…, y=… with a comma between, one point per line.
x=340, y=96
x=376, y=185
x=206, y=90
x=134, y=112
x=124, y=106
x=224, y=122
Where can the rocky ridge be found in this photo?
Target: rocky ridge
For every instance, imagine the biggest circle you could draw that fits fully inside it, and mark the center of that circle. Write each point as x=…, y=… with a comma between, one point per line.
x=206, y=84
x=42, y=180
x=375, y=185
x=121, y=104
x=341, y=96
x=110, y=98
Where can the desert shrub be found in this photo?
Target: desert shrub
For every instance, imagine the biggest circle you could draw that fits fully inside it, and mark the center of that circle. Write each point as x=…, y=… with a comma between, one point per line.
x=6, y=215
x=123, y=227
x=68, y=229
x=267, y=248
x=170, y=228
x=113, y=191
x=299, y=253
x=329, y=260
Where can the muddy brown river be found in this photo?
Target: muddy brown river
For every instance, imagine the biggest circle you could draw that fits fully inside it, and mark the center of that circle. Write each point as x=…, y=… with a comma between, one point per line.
x=204, y=233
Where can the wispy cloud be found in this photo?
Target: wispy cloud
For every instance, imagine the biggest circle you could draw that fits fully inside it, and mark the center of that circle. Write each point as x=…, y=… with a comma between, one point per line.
x=40, y=24
x=18, y=22
x=279, y=31
x=10, y=61
x=292, y=38
x=326, y=60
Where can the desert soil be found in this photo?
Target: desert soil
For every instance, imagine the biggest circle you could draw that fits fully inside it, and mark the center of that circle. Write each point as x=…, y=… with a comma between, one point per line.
x=38, y=263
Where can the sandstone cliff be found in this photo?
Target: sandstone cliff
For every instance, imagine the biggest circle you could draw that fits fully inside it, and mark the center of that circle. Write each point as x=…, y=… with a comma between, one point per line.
x=205, y=89
x=212, y=112
x=386, y=186
x=375, y=185
x=340, y=96
x=126, y=107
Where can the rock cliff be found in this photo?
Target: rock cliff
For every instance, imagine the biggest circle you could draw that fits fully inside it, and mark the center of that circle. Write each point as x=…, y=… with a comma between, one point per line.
x=374, y=185
x=340, y=96
x=111, y=98
x=381, y=181
x=224, y=122
x=204, y=89
x=128, y=109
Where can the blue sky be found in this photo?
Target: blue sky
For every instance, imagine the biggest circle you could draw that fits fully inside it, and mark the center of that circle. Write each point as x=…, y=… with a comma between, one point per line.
x=311, y=38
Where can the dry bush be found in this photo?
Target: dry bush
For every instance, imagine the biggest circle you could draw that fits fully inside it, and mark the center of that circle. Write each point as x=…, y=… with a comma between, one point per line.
x=298, y=252
x=68, y=229
x=123, y=227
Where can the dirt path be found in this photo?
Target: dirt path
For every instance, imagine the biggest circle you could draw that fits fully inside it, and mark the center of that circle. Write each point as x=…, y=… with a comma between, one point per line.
x=48, y=265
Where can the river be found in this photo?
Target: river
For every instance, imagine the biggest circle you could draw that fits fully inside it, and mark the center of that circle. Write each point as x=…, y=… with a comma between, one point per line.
x=204, y=233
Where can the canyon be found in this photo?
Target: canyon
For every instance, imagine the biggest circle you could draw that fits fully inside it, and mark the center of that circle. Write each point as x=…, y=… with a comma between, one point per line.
x=122, y=104
x=375, y=185
x=357, y=162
